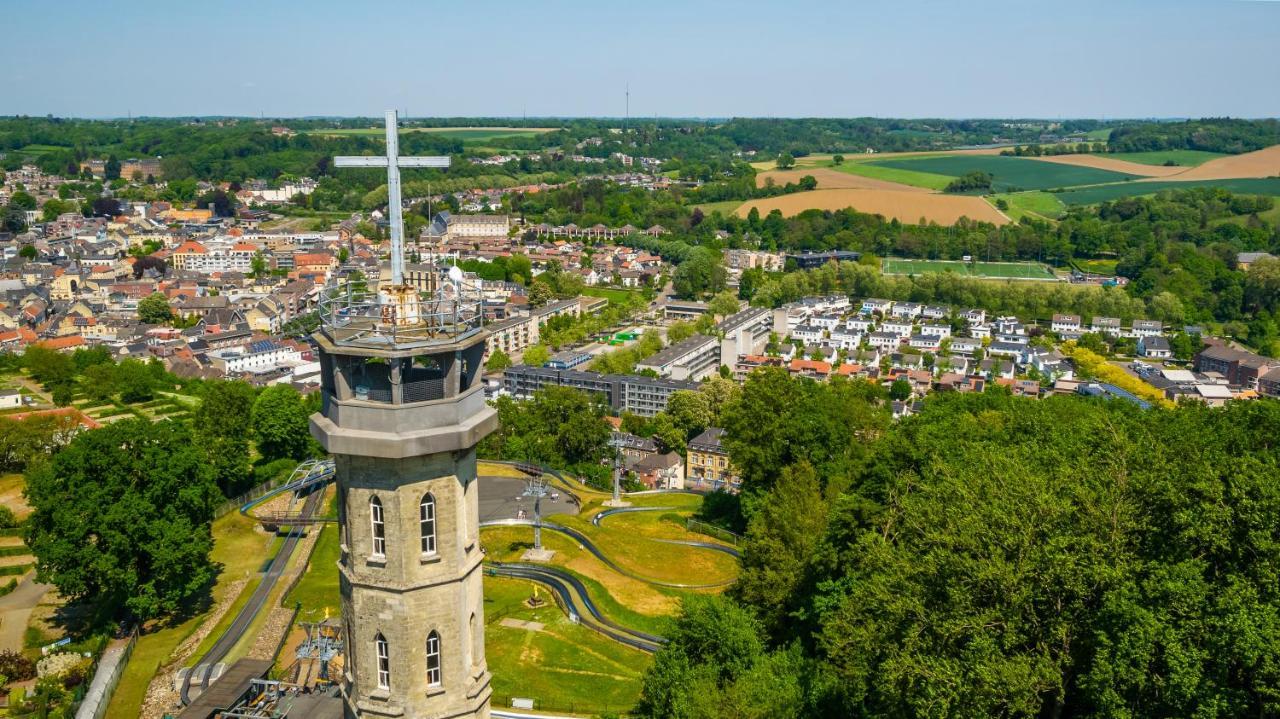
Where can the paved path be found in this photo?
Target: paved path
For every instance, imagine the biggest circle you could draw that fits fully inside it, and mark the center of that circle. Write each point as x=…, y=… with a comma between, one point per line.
x=15, y=610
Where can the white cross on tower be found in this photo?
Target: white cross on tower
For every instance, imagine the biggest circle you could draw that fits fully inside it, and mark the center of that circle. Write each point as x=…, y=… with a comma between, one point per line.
x=393, y=162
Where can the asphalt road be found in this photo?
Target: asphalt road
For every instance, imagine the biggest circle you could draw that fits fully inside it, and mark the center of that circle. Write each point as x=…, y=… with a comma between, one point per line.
x=15, y=610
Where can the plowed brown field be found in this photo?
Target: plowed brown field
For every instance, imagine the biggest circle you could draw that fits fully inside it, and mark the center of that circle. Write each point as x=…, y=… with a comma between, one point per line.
x=1261, y=163
x=909, y=207
x=1102, y=162
x=829, y=179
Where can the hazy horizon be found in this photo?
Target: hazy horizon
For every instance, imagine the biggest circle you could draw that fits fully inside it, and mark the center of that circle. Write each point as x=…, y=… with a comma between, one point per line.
x=1129, y=59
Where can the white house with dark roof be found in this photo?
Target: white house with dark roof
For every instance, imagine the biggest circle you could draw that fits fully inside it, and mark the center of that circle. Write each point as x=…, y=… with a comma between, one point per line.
x=1105, y=326
x=807, y=333
x=859, y=324
x=1154, y=348
x=1146, y=328
x=931, y=329
x=908, y=310
x=884, y=340
x=901, y=328
x=873, y=305
x=1065, y=323
x=845, y=339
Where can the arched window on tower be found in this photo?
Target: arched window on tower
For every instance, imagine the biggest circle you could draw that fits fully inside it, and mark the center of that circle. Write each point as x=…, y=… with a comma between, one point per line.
x=427, y=523
x=384, y=661
x=477, y=644
x=377, y=527
x=433, y=659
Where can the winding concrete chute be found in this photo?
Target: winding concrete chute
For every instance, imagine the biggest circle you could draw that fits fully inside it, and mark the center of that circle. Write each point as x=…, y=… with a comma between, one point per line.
x=573, y=597
x=588, y=545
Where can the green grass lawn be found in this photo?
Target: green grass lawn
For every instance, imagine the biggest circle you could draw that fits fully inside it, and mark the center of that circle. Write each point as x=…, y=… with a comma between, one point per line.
x=1009, y=173
x=1036, y=204
x=627, y=540
x=996, y=270
x=1184, y=158
x=317, y=591
x=615, y=296
x=239, y=548
x=724, y=207
x=40, y=149
x=1099, y=267
x=1272, y=216
x=1104, y=193
x=563, y=667
x=906, y=176
x=1099, y=135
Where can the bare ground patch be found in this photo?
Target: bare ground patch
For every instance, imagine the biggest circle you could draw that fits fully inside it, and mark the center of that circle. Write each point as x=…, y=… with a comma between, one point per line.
x=1102, y=162
x=829, y=179
x=1261, y=163
x=908, y=207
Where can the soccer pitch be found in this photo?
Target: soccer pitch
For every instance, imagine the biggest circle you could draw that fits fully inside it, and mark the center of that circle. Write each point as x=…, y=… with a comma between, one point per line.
x=990, y=270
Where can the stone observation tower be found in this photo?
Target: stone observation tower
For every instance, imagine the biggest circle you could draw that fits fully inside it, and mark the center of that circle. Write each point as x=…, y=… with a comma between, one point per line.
x=403, y=411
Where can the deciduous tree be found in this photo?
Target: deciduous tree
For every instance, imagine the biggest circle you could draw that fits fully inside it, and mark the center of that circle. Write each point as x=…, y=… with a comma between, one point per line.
x=122, y=516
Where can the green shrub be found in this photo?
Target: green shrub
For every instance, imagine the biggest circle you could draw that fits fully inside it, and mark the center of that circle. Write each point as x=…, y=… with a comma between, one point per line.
x=16, y=666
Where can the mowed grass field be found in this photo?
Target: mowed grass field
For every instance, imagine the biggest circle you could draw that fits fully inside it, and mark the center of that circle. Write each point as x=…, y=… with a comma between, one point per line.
x=900, y=175
x=1104, y=193
x=724, y=207
x=992, y=270
x=539, y=654
x=1035, y=204
x=1009, y=173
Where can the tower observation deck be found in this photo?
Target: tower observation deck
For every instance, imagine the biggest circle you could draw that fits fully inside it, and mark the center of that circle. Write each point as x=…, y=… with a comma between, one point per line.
x=403, y=409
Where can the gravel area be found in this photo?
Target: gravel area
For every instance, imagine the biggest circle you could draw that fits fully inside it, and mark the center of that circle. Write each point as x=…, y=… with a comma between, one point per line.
x=162, y=694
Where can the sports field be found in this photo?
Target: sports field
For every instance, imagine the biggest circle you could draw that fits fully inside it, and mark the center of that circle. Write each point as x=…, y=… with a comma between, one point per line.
x=1010, y=173
x=991, y=270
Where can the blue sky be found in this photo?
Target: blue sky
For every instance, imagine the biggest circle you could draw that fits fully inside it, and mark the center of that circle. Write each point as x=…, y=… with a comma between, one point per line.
x=886, y=58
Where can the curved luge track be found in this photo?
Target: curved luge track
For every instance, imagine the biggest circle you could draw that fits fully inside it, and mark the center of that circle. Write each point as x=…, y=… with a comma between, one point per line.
x=587, y=544
x=713, y=546
x=257, y=601
x=573, y=596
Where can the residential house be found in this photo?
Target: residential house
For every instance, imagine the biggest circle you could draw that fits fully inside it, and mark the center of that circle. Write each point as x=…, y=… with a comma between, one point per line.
x=860, y=325
x=661, y=471
x=887, y=341
x=1146, y=328
x=1105, y=326
x=907, y=310
x=1154, y=348
x=707, y=462
x=901, y=328
x=876, y=306
x=940, y=331
x=1065, y=323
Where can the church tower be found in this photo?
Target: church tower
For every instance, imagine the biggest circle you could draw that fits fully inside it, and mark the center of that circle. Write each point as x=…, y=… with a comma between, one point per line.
x=403, y=411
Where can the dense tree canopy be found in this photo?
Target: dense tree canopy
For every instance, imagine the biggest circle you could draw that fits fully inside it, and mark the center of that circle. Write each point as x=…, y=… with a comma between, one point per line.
x=281, y=423
x=122, y=515
x=996, y=556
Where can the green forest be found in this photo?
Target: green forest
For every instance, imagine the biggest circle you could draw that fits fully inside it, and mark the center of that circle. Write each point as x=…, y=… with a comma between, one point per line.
x=990, y=556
